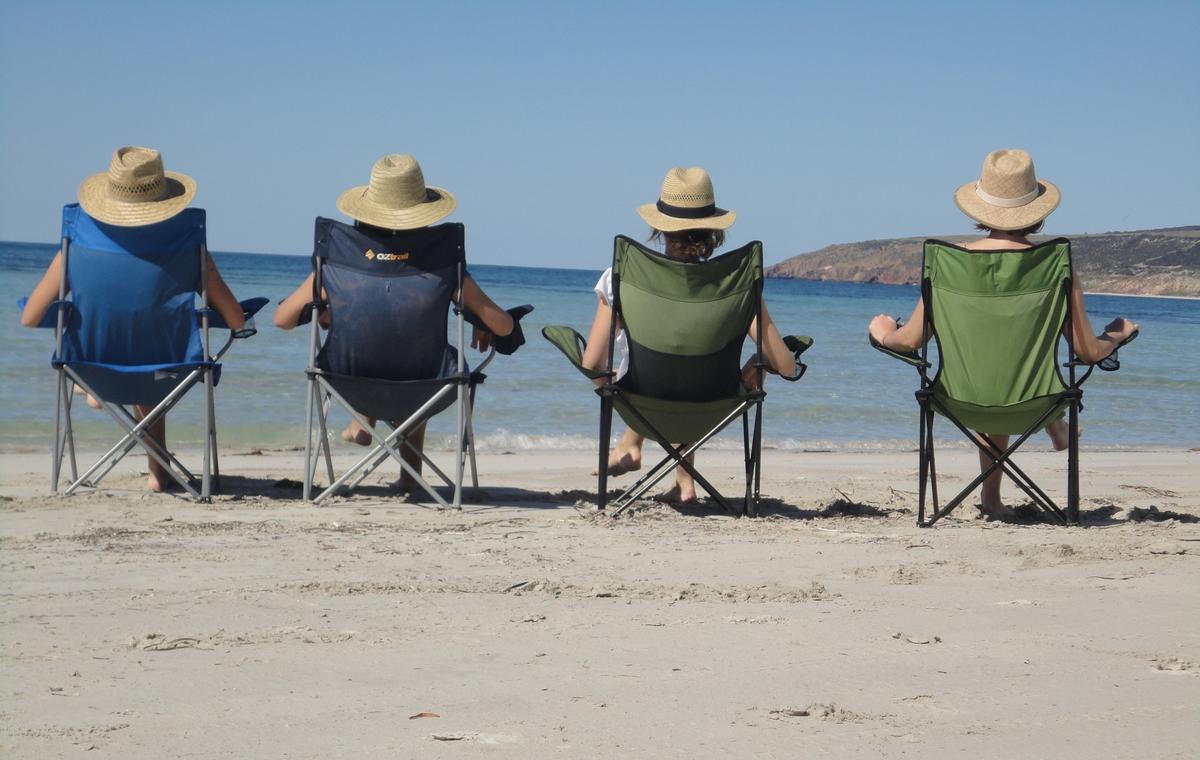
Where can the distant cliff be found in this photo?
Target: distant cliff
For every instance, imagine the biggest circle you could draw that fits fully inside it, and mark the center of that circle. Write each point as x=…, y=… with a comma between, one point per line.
x=1146, y=262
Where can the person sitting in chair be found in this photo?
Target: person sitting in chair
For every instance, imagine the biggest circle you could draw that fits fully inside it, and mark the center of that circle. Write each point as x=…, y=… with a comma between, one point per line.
x=396, y=204
x=135, y=192
x=690, y=226
x=1009, y=203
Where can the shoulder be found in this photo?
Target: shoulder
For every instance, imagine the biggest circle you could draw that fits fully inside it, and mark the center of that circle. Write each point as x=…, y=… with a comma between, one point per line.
x=603, y=286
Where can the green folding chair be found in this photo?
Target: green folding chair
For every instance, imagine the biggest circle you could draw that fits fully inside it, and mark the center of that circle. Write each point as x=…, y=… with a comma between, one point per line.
x=999, y=319
x=685, y=323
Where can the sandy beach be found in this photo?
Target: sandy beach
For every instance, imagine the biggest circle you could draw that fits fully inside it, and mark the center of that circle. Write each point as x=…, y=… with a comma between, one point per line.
x=144, y=626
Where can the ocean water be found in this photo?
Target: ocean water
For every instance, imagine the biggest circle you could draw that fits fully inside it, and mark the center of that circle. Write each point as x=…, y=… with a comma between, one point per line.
x=852, y=397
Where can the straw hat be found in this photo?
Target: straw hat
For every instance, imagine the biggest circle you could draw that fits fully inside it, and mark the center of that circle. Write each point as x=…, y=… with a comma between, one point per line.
x=687, y=202
x=396, y=198
x=1008, y=195
x=135, y=190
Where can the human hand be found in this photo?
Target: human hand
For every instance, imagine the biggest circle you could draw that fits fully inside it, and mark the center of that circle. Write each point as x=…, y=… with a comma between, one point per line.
x=1119, y=329
x=750, y=376
x=882, y=326
x=481, y=338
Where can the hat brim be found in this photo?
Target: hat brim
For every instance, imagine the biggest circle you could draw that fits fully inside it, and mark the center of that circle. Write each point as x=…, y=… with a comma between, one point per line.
x=721, y=219
x=95, y=200
x=355, y=204
x=1001, y=218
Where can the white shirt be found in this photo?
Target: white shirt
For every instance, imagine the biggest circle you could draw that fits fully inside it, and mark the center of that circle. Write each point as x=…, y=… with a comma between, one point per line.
x=605, y=292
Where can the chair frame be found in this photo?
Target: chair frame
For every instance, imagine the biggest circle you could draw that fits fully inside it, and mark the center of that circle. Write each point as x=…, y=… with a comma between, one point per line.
x=321, y=394
x=1001, y=459
x=611, y=394
x=135, y=430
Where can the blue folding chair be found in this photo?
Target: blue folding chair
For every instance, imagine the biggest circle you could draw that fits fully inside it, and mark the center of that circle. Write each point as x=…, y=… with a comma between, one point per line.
x=386, y=355
x=131, y=334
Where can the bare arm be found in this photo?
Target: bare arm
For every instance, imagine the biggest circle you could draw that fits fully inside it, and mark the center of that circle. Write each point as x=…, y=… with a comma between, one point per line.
x=595, y=354
x=910, y=337
x=288, y=312
x=44, y=293
x=497, y=320
x=1092, y=348
x=477, y=302
x=221, y=298
x=773, y=348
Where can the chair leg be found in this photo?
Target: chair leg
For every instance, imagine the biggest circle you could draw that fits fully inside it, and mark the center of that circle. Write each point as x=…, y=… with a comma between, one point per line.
x=461, y=434
x=932, y=460
x=922, y=462
x=1073, y=464
x=606, y=409
x=212, y=429
x=69, y=398
x=323, y=418
x=309, y=455
x=756, y=455
x=471, y=437
x=206, y=473
x=56, y=449
x=749, y=461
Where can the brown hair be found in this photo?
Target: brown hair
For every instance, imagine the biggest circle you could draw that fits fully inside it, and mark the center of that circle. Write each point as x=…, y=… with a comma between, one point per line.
x=690, y=245
x=1032, y=229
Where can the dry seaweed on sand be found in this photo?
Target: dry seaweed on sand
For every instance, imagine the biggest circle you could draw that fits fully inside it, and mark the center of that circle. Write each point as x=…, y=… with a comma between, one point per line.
x=1154, y=514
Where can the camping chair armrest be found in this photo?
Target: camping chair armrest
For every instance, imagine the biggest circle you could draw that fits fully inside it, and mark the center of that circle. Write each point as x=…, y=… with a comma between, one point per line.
x=1110, y=363
x=250, y=307
x=797, y=344
x=908, y=357
x=505, y=344
x=306, y=313
x=50, y=317
x=572, y=345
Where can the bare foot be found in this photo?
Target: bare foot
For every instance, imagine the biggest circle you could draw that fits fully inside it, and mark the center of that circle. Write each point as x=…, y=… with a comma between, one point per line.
x=1060, y=435
x=621, y=462
x=159, y=481
x=354, y=433
x=91, y=400
x=996, y=511
x=678, y=494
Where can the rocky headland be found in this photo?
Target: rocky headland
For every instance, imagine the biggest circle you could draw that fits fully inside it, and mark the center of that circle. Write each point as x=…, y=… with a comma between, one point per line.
x=1164, y=262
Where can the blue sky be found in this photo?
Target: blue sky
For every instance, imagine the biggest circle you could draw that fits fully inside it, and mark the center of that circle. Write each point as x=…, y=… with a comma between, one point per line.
x=551, y=122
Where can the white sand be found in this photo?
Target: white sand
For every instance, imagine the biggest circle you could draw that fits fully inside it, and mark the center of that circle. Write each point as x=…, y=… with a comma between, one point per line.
x=144, y=626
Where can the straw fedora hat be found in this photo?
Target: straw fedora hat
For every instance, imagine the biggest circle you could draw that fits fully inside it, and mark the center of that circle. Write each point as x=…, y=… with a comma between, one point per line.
x=1008, y=195
x=396, y=197
x=135, y=190
x=687, y=202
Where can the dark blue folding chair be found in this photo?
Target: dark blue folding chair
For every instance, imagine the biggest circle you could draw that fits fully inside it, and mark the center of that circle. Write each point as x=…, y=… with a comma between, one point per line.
x=131, y=333
x=386, y=356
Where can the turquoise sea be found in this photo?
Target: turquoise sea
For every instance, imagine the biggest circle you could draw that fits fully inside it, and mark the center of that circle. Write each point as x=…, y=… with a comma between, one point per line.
x=852, y=397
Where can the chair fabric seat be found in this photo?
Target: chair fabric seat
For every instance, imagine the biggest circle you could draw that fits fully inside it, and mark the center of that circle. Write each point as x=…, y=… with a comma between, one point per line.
x=142, y=384
x=385, y=399
x=678, y=421
x=1003, y=420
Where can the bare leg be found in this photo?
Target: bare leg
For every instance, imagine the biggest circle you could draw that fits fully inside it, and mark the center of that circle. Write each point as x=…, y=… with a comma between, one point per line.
x=992, y=505
x=91, y=400
x=627, y=456
x=1060, y=434
x=356, y=433
x=417, y=439
x=159, y=480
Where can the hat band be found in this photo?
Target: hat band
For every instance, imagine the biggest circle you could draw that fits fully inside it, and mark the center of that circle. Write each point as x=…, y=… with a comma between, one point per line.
x=681, y=212
x=995, y=200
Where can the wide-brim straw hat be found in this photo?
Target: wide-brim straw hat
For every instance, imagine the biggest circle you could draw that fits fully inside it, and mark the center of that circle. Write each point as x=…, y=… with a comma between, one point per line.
x=1008, y=194
x=687, y=202
x=396, y=197
x=135, y=190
